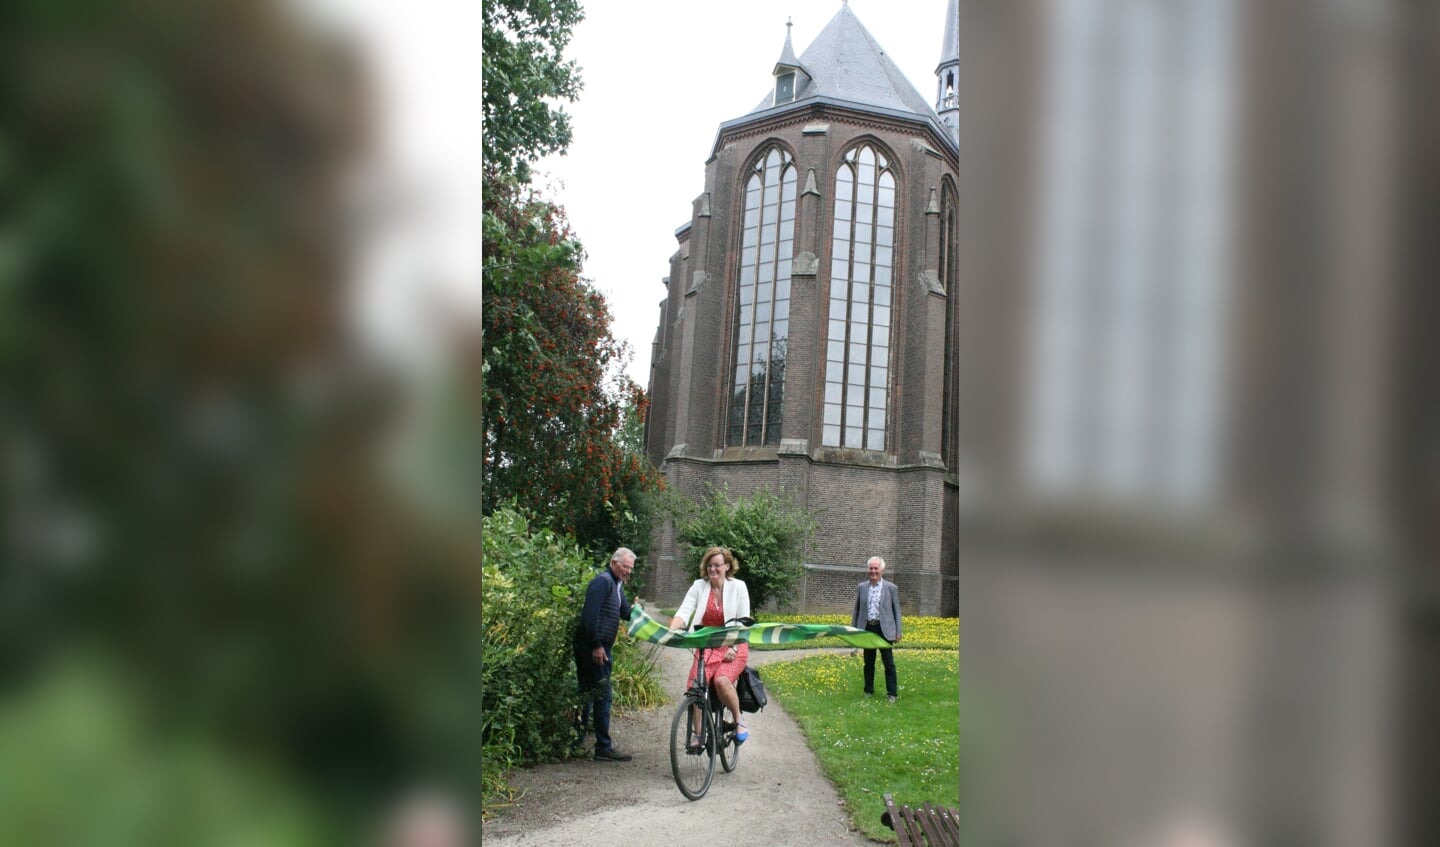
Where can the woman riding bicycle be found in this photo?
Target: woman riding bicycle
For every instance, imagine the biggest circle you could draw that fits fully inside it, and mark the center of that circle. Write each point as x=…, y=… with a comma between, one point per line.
x=715, y=598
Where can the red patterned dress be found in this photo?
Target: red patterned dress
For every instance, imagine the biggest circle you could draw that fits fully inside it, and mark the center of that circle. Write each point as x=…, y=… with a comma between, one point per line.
x=715, y=664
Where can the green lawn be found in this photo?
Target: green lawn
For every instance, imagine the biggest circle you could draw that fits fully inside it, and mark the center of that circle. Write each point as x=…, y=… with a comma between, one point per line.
x=869, y=747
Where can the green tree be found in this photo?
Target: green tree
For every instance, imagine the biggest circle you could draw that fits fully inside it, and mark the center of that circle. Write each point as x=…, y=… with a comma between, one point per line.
x=192, y=486
x=554, y=389
x=554, y=385
x=633, y=518
x=768, y=533
x=525, y=72
x=631, y=433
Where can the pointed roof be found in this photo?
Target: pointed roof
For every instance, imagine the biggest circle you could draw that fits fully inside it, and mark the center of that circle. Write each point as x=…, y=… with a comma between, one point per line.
x=846, y=63
x=950, y=47
x=787, y=54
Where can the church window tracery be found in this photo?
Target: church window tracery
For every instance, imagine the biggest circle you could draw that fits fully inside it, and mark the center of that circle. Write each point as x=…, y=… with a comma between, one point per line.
x=857, y=356
x=762, y=320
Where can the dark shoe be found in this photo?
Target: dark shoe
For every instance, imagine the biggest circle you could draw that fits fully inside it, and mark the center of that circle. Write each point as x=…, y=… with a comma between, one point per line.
x=611, y=755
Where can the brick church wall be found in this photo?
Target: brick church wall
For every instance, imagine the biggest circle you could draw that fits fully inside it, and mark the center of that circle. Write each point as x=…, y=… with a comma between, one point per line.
x=859, y=512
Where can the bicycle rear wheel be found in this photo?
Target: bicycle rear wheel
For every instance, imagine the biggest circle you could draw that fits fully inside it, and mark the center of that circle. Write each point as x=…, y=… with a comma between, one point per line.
x=693, y=766
x=729, y=747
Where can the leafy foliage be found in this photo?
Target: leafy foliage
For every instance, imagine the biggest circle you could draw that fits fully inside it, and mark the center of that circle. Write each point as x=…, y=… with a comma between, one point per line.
x=525, y=72
x=193, y=440
x=553, y=374
x=635, y=517
x=97, y=772
x=534, y=588
x=767, y=532
x=554, y=389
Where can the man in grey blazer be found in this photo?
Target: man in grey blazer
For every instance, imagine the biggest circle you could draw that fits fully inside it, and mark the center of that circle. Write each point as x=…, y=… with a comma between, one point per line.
x=877, y=609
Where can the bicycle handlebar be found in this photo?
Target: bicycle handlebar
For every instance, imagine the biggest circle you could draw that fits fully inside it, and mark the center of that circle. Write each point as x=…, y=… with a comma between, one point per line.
x=700, y=651
x=743, y=621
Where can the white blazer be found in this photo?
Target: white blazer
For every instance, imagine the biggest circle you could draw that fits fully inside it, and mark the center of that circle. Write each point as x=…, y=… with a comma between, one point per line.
x=734, y=601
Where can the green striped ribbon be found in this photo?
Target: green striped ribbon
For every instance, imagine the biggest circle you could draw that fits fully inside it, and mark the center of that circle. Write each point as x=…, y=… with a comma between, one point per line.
x=646, y=628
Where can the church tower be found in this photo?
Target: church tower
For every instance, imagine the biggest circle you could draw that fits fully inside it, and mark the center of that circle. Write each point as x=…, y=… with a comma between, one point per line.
x=802, y=342
x=947, y=103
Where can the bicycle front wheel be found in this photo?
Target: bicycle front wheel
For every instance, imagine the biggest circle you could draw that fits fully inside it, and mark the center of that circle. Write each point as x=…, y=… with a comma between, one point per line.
x=692, y=764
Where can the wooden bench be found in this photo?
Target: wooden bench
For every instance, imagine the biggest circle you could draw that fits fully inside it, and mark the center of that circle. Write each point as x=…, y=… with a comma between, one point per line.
x=928, y=826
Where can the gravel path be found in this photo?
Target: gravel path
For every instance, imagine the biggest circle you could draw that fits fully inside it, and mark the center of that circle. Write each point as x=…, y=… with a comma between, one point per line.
x=777, y=796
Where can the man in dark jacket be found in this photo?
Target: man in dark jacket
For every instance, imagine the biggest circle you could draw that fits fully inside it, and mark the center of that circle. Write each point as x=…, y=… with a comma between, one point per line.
x=606, y=608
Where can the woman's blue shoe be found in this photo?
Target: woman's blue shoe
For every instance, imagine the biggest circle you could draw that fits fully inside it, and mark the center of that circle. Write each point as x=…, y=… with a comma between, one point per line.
x=741, y=734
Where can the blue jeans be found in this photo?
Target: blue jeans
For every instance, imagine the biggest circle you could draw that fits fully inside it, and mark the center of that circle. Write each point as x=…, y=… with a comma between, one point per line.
x=892, y=684
x=596, y=690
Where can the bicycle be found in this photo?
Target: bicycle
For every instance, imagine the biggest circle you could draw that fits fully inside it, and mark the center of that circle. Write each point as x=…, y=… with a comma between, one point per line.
x=693, y=765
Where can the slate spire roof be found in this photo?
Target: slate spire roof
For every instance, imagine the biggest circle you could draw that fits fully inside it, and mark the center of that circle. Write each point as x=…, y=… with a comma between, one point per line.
x=847, y=64
x=950, y=47
x=787, y=55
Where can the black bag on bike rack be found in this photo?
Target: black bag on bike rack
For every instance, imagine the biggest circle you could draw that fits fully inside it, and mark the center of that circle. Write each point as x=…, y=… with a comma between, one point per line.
x=751, y=690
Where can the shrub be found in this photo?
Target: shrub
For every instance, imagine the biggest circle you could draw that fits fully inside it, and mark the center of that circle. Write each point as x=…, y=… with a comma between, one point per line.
x=767, y=532
x=534, y=584
x=86, y=762
x=534, y=588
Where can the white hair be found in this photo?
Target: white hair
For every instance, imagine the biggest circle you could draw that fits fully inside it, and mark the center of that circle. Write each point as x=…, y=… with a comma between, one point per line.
x=875, y=559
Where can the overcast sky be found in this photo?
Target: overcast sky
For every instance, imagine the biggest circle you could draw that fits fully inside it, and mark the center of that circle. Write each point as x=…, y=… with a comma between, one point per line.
x=659, y=78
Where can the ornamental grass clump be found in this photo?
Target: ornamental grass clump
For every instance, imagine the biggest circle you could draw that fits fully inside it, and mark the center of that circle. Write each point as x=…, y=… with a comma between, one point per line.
x=636, y=675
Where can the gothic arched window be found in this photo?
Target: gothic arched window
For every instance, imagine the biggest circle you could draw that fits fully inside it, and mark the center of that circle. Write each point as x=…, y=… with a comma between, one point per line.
x=762, y=313
x=948, y=272
x=862, y=255
x=948, y=235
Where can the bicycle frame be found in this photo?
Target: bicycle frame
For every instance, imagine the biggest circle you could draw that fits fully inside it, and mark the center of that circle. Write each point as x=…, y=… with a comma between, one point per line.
x=709, y=705
x=691, y=777
x=701, y=686
x=702, y=690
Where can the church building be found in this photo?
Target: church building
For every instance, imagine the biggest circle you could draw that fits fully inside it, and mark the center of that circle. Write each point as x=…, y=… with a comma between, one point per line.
x=1104, y=347
x=806, y=339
